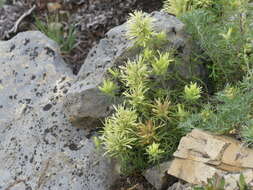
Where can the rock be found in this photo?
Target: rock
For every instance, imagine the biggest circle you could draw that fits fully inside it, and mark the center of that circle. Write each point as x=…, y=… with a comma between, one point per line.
x=158, y=177
x=192, y=171
x=197, y=173
x=84, y=102
x=201, y=146
x=201, y=155
x=29, y=64
x=180, y=186
x=40, y=149
x=220, y=151
x=232, y=179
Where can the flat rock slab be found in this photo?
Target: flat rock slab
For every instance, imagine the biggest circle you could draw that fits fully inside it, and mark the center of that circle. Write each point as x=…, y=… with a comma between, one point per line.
x=220, y=151
x=197, y=173
x=192, y=171
x=39, y=148
x=201, y=155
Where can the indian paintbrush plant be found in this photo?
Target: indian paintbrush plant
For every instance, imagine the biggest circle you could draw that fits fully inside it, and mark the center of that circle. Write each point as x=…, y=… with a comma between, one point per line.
x=147, y=126
x=143, y=130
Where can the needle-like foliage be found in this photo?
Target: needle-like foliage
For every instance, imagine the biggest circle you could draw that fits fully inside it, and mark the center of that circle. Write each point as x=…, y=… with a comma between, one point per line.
x=140, y=28
x=149, y=134
x=177, y=7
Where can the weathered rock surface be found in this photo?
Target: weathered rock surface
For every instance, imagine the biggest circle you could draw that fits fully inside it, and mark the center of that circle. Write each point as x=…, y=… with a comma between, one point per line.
x=180, y=186
x=220, y=151
x=84, y=101
x=158, y=177
x=201, y=155
x=39, y=148
x=192, y=171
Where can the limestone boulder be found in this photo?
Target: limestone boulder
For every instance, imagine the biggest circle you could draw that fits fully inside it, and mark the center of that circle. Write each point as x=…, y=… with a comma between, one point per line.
x=193, y=172
x=39, y=147
x=84, y=102
x=223, y=152
x=202, y=155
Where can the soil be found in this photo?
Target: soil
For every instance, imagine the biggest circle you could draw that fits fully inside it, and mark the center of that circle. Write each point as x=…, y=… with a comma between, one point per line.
x=97, y=17
x=135, y=182
x=92, y=19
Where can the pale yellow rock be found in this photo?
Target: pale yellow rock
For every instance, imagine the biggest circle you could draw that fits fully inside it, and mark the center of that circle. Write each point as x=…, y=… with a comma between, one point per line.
x=224, y=152
x=238, y=156
x=201, y=155
x=229, y=168
x=197, y=173
x=201, y=146
x=192, y=171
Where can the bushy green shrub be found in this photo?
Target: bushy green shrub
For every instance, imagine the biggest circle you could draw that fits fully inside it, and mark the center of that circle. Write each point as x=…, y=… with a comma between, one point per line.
x=143, y=130
x=230, y=111
x=223, y=31
x=217, y=7
x=2, y=3
x=226, y=46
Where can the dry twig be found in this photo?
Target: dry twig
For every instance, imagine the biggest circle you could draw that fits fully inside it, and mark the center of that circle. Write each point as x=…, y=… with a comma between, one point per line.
x=17, y=23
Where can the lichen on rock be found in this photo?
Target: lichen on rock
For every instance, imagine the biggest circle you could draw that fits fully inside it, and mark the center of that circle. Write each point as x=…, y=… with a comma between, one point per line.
x=39, y=147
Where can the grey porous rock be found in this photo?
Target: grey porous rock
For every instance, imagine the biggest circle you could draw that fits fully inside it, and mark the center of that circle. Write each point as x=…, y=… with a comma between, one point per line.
x=84, y=103
x=39, y=148
x=180, y=186
x=158, y=177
